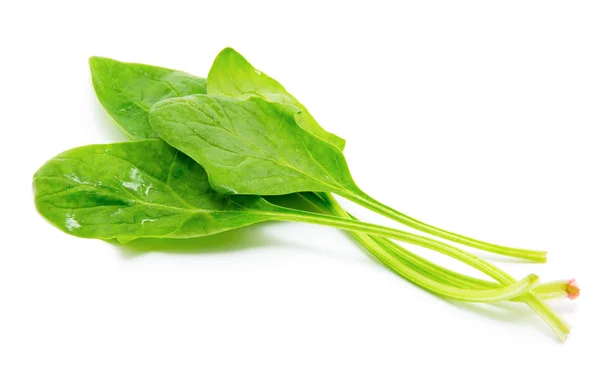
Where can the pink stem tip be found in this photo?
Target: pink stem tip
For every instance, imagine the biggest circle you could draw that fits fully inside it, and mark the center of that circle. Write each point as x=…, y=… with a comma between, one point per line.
x=572, y=289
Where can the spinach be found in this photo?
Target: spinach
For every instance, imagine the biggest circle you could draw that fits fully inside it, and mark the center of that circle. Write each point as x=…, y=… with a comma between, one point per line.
x=253, y=146
x=232, y=75
x=256, y=147
x=126, y=191
x=147, y=189
x=128, y=90
x=136, y=189
x=270, y=89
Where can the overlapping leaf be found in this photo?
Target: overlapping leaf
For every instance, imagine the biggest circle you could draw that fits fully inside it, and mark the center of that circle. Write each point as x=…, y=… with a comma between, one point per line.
x=250, y=146
x=137, y=189
x=233, y=76
x=128, y=90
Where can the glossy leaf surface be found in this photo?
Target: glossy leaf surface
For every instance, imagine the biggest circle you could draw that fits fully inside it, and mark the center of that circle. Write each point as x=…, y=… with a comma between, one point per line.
x=134, y=190
x=128, y=90
x=233, y=76
x=250, y=146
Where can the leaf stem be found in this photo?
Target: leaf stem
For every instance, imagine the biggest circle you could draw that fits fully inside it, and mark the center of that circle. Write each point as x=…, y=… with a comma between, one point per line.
x=370, y=203
x=560, y=328
x=419, y=276
x=382, y=231
x=551, y=290
x=501, y=293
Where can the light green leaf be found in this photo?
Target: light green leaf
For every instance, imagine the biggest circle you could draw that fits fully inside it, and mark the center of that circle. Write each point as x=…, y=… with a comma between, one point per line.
x=250, y=146
x=128, y=90
x=137, y=189
x=232, y=75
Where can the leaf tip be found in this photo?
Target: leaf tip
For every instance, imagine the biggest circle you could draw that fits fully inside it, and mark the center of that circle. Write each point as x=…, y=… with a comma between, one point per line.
x=95, y=61
x=228, y=51
x=230, y=56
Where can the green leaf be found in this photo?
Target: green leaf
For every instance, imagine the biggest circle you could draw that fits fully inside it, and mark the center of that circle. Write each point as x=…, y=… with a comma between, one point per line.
x=255, y=147
x=250, y=146
x=128, y=90
x=148, y=189
x=232, y=75
x=137, y=189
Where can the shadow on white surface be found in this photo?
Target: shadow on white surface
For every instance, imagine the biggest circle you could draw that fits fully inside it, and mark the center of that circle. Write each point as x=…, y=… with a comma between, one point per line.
x=245, y=238
x=233, y=240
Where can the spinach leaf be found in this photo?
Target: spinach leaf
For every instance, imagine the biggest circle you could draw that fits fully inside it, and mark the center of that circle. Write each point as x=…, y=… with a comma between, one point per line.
x=250, y=146
x=232, y=75
x=253, y=146
x=128, y=90
x=137, y=189
x=147, y=189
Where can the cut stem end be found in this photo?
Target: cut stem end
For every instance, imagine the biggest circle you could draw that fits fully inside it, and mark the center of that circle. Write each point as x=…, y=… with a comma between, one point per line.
x=572, y=289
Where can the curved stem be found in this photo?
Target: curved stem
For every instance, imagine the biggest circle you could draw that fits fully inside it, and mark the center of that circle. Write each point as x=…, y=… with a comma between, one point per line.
x=380, y=249
x=430, y=268
x=327, y=204
x=370, y=203
x=501, y=293
x=560, y=328
x=544, y=291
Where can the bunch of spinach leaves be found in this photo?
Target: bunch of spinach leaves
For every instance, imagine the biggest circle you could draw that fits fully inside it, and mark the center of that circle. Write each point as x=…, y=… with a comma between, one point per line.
x=208, y=153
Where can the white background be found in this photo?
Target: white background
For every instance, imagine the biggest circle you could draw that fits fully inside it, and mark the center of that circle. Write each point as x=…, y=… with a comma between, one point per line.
x=480, y=117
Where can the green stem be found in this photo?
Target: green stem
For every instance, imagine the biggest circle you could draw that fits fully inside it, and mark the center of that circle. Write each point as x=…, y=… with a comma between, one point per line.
x=382, y=231
x=560, y=328
x=415, y=275
x=550, y=290
x=433, y=269
x=325, y=203
x=370, y=203
x=502, y=293
x=558, y=289
x=545, y=291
